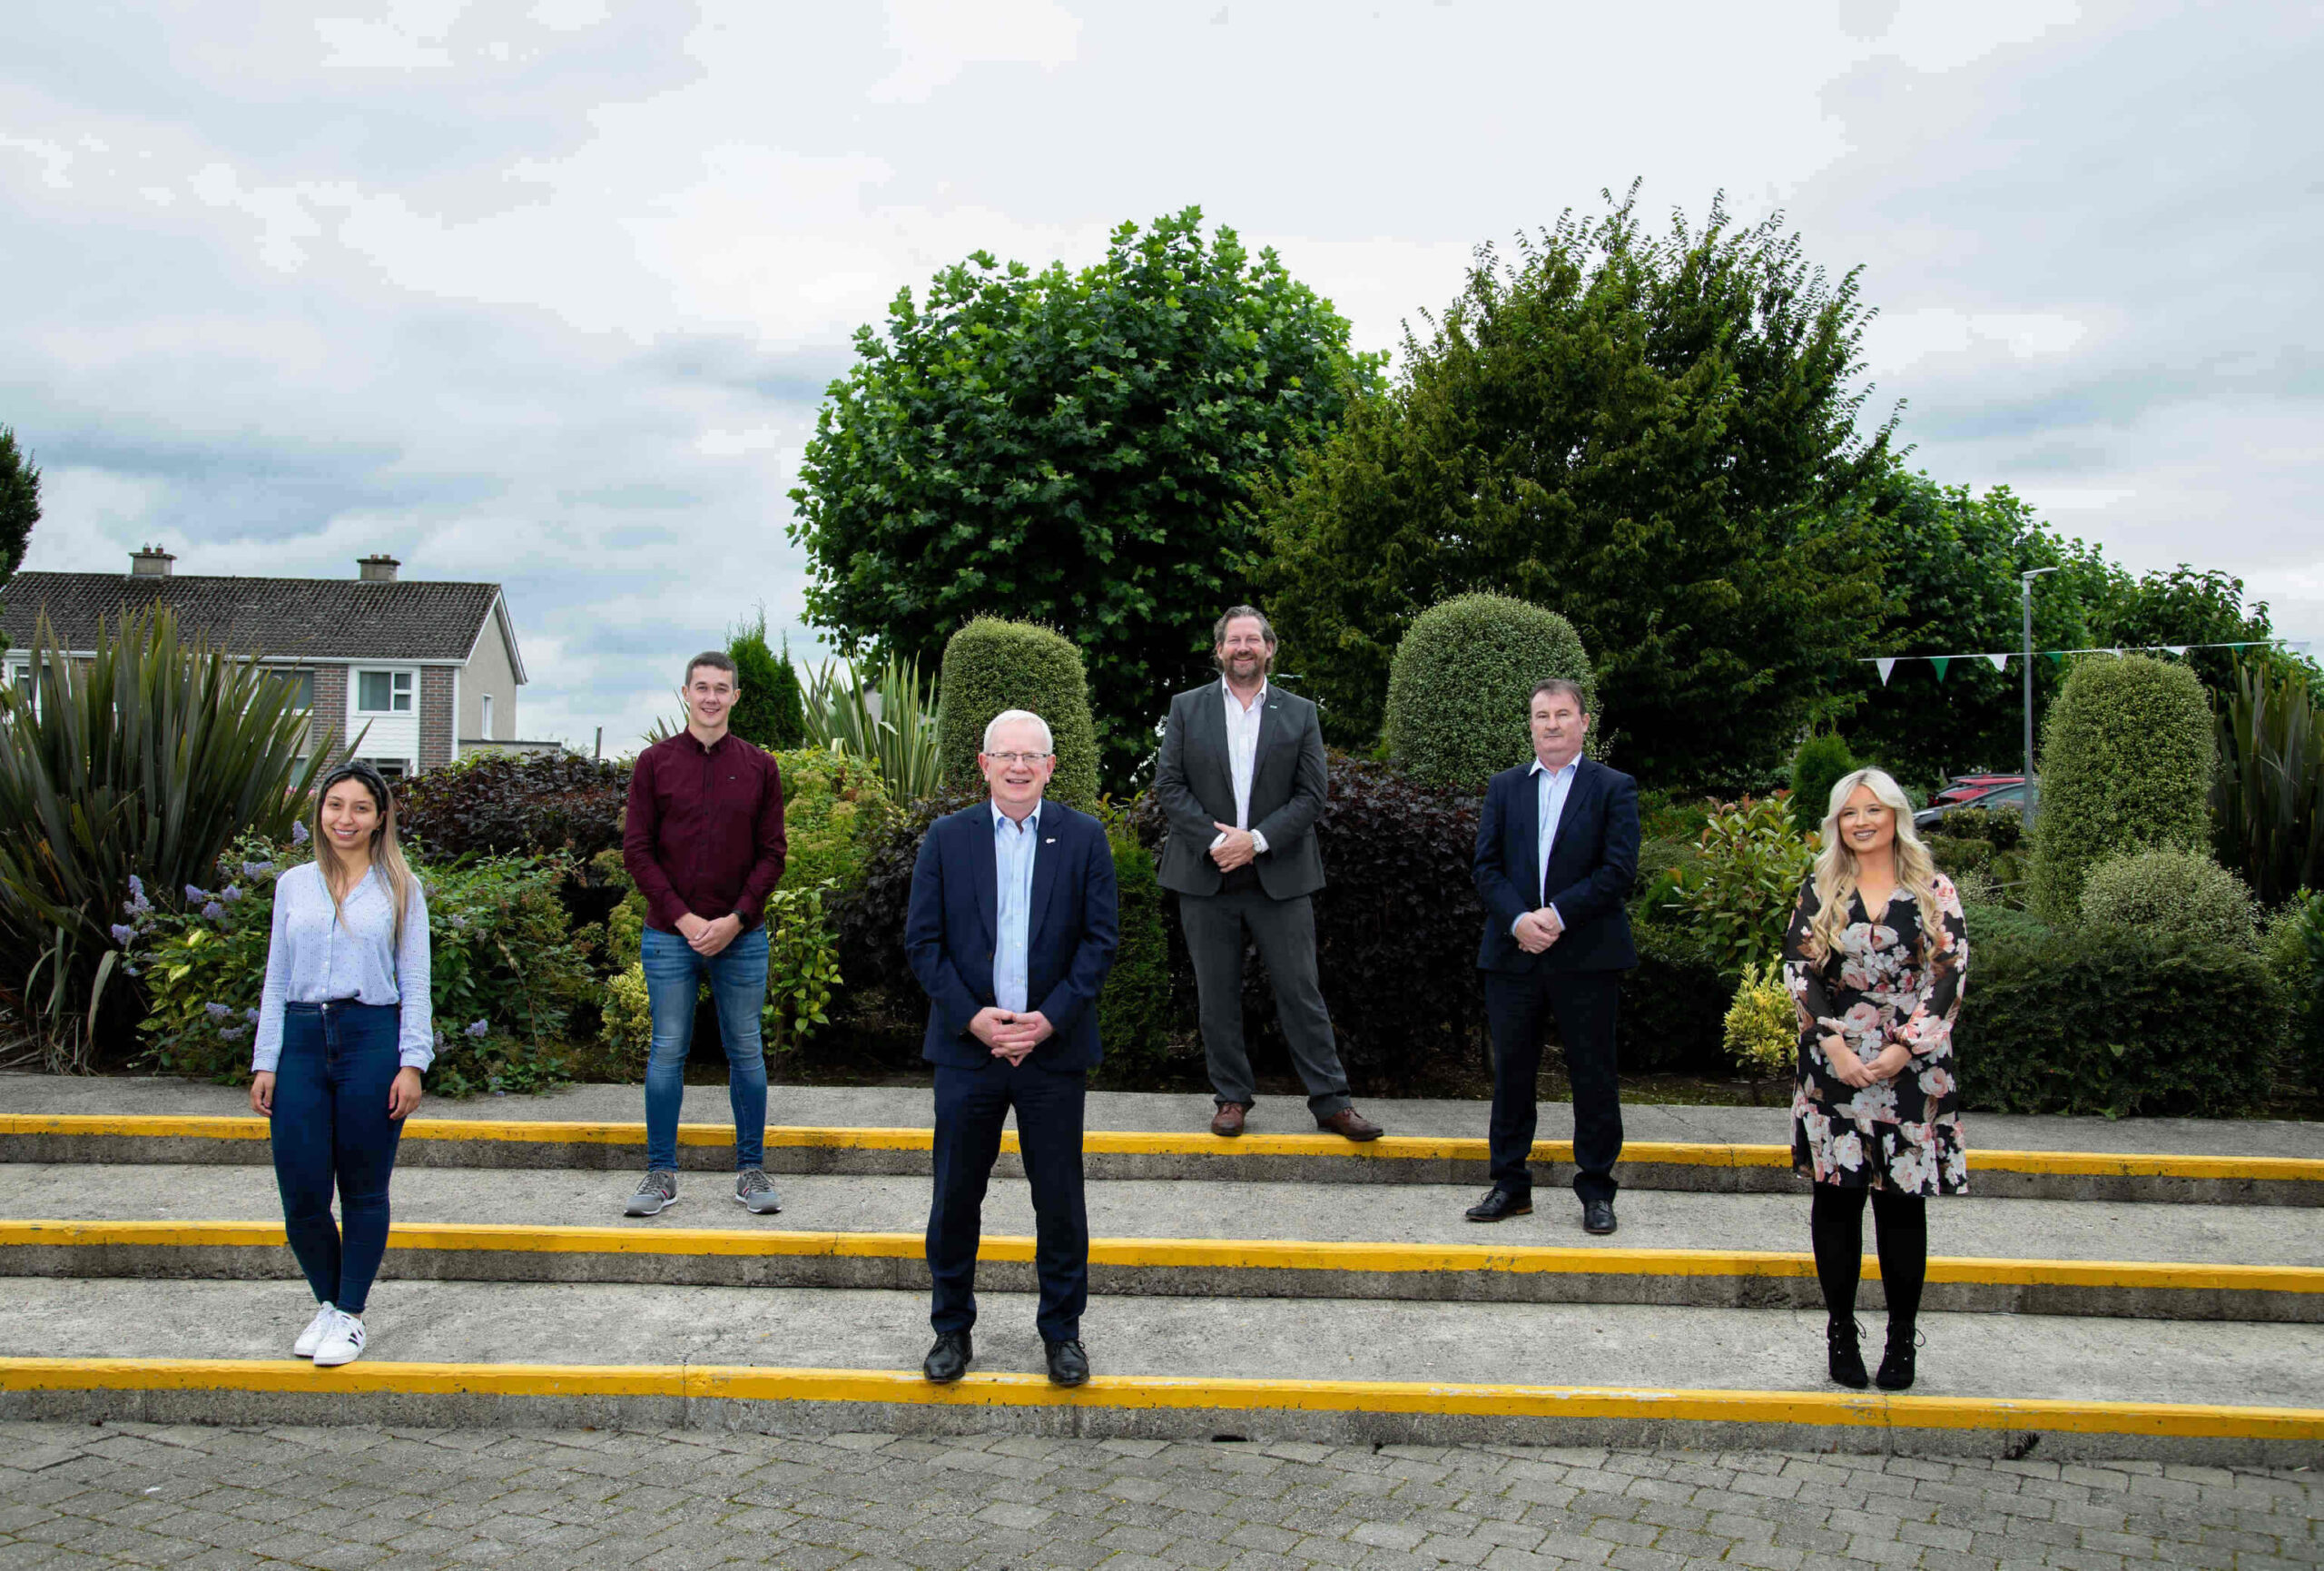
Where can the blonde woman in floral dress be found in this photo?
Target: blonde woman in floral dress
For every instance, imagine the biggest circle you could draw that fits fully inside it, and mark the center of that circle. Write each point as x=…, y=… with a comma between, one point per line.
x=1876, y=959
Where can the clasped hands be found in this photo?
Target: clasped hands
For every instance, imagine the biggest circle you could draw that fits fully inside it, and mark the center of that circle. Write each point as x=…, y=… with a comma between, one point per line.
x=1233, y=847
x=1887, y=1064
x=1537, y=930
x=706, y=938
x=1011, y=1035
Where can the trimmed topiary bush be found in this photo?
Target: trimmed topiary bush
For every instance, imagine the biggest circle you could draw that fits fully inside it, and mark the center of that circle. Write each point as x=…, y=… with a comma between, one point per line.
x=1821, y=763
x=1457, y=689
x=2126, y=765
x=2181, y=892
x=990, y=665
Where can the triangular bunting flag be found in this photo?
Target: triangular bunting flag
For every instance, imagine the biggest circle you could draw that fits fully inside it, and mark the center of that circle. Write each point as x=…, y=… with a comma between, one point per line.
x=1886, y=665
x=2057, y=657
x=2001, y=662
x=1940, y=662
x=2178, y=649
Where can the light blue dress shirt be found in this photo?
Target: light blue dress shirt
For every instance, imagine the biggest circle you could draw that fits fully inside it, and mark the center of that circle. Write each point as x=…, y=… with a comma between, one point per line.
x=1013, y=846
x=1554, y=786
x=319, y=953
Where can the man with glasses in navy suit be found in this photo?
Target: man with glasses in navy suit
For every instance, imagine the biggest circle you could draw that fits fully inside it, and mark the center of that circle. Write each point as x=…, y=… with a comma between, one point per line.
x=1557, y=851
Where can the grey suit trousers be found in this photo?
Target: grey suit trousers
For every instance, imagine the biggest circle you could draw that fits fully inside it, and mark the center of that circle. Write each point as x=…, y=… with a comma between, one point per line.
x=1284, y=932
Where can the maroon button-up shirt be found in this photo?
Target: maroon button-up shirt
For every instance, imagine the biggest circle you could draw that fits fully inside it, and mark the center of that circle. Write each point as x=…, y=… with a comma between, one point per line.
x=704, y=832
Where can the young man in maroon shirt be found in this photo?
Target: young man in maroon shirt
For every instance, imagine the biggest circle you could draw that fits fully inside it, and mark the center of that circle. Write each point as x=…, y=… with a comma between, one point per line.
x=704, y=840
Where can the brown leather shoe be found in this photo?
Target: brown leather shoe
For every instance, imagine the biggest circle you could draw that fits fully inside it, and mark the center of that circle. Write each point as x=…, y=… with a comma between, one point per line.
x=1351, y=1124
x=1228, y=1120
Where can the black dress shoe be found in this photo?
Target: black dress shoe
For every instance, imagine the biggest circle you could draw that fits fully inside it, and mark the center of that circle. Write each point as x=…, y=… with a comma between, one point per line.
x=1499, y=1204
x=1598, y=1216
x=1896, y=1364
x=1843, y=1359
x=948, y=1360
x=1069, y=1364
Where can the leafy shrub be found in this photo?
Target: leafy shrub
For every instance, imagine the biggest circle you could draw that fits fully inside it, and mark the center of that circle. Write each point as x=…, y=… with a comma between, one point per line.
x=506, y=975
x=1761, y=1030
x=802, y=970
x=1999, y=924
x=1673, y=1005
x=1956, y=854
x=2268, y=799
x=768, y=710
x=1821, y=763
x=1738, y=900
x=1134, y=1010
x=1656, y=857
x=1997, y=826
x=2183, y=892
x=145, y=762
x=990, y=665
x=1456, y=711
x=2126, y=765
x=500, y=804
x=2295, y=954
x=1663, y=817
x=871, y=923
x=835, y=809
x=2117, y=1021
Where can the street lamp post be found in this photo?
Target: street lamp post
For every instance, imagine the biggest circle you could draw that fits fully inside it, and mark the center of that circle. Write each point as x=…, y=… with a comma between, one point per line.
x=2026, y=591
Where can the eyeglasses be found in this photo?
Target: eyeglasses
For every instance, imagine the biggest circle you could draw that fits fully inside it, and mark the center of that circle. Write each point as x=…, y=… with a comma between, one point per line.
x=1008, y=760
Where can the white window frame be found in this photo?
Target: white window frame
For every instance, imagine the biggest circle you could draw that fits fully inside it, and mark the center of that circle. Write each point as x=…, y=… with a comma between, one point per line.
x=20, y=680
x=401, y=684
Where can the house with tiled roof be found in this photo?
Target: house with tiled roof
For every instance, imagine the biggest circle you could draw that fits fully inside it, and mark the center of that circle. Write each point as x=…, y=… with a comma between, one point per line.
x=424, y=672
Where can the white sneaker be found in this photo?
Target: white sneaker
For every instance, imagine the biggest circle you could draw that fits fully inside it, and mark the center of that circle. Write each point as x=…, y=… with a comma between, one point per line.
x=313, y=1337
x=342, y=1344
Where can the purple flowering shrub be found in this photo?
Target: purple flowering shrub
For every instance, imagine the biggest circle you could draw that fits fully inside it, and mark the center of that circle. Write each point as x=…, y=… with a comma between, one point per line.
x=203, y=967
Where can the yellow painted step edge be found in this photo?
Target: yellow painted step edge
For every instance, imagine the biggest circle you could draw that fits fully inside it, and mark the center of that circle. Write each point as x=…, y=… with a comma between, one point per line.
x=1120, y=1143
x=1181, y=1254
x=1133, y=1391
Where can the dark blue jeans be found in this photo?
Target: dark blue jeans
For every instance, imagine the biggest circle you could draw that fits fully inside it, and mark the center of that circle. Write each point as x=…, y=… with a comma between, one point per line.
x=330, y=1129
x=971, y=1104
x=737, y=978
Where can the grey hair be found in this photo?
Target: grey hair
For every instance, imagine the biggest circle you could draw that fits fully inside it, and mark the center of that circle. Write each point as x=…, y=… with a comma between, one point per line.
x=1236, y=612
x=1009, y=717
x=1558, y=687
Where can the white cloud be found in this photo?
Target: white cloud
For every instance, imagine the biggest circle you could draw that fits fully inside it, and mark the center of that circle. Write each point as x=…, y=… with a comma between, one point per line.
x=940, y=38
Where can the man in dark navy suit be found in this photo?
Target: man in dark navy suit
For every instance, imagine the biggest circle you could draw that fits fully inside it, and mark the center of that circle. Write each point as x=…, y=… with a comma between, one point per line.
x=1011, y=930
x=1557, y=850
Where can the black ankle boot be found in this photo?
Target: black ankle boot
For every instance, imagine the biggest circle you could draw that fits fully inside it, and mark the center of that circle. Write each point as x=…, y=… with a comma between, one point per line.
x=1842, y=1339
x=1896, y=1363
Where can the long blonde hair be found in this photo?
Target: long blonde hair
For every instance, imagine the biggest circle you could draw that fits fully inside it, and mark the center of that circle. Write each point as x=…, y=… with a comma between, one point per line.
x=387, y=855
x=1835, y=869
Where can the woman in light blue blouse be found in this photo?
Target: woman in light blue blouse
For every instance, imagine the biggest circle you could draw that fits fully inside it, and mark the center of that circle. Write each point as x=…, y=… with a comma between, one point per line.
x=344, y=1032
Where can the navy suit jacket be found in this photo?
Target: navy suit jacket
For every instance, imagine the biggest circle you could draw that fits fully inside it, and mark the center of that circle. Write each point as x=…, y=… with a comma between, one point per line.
x=1072, y=929
x=1592, y=863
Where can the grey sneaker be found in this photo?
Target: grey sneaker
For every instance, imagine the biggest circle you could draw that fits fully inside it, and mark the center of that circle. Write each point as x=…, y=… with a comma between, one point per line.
x=755, y=1190
x=657, y=1192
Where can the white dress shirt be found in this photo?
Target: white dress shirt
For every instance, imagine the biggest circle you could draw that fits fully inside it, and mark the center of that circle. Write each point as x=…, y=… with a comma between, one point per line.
x=1013, y=846
x=1243, y=755
x=1554, y=786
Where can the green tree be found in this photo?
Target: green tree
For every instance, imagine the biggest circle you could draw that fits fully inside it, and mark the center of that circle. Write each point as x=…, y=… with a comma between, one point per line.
x=1458, y=692
x=990, y=665
x=1073, y=449
x=769, y=711
x=2185, y=605
x=1822, y=762
x=2126, y=767
x=19, y=506
x=1648, y=435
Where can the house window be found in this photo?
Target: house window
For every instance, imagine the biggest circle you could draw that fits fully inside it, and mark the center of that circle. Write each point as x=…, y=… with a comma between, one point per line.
x=393, y=769
x=302, y=685
x=487, y=731
x=383, y=692
x=20, y=677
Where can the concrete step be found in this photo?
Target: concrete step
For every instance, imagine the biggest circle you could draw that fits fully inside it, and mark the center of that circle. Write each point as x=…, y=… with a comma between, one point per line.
x=1337, y=1369
x=1204, y=1240
x=470, y=1141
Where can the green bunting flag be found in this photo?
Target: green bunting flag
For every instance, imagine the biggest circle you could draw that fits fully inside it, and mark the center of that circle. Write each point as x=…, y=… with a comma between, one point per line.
x=1940, y=662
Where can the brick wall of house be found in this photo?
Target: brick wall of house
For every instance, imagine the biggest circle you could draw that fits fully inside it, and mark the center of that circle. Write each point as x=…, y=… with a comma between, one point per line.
x=328, y=722
x=437, y=718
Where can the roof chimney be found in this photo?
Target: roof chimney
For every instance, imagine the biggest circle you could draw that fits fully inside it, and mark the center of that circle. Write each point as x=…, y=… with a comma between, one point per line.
x=379, y=570
x=150, y=562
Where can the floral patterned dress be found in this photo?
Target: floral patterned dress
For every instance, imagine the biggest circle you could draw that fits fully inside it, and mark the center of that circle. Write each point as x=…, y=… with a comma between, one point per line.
x=1903, y=1134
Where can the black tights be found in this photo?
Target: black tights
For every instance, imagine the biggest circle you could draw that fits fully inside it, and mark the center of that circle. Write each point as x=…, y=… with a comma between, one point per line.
x=1836, y=1222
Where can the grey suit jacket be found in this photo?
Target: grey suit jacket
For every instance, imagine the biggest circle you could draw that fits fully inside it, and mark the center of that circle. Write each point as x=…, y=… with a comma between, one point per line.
x=1196, y=785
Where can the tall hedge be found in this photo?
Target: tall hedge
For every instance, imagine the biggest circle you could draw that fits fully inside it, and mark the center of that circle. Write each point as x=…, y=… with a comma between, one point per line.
x=770, y=711
x=2126, y=767
x=990, y=665
x=1457, y=689
x=1821, y=763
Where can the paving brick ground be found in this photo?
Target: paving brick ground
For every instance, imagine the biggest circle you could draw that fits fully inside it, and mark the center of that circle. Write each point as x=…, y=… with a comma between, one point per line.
x=360, y=1499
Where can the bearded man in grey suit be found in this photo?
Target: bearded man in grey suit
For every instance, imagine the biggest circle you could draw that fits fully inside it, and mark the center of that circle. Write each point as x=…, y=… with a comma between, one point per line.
x=1242, y=779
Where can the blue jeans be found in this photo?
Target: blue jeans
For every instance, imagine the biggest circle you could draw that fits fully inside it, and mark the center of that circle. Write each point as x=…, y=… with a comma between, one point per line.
x=330, y=1128
x=737, y=978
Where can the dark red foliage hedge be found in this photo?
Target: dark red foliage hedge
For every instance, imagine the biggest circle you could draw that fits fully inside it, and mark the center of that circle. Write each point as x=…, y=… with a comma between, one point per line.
x=507, y=806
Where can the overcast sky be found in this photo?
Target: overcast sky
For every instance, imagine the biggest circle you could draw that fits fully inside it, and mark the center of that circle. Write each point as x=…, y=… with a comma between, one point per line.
x=548, y=294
